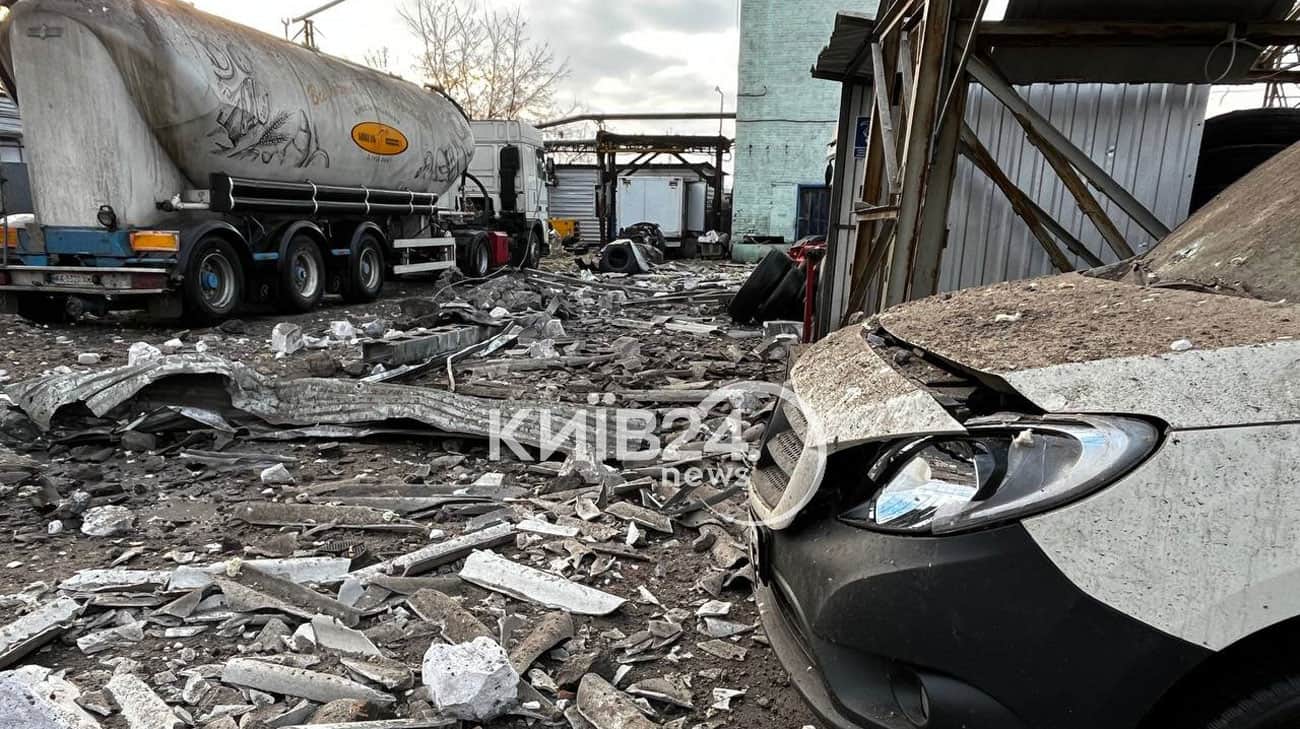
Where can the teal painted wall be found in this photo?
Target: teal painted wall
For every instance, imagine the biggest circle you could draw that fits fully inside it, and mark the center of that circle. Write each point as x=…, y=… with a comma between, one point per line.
x=785, y=118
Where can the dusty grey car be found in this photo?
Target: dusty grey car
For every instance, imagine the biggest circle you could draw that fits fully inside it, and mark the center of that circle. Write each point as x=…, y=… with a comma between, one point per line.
x=1064, y=503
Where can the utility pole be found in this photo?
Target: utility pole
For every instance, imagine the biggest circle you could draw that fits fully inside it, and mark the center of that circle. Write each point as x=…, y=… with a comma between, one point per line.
x=308, y=30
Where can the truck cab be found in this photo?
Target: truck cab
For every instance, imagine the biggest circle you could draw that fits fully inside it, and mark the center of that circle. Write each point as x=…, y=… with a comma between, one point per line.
x=511, y=169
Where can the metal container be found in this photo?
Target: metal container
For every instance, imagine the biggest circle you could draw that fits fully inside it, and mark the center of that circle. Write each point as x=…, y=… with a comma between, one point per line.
x=134, y=97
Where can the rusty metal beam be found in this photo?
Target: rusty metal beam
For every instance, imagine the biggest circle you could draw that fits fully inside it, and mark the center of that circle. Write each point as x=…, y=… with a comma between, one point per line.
x=1029, y=117
x=975, y=150
x=1079, y=189
x=1009, y=34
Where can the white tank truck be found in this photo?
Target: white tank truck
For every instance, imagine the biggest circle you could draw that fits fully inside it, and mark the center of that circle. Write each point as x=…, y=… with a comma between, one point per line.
x=183, y=163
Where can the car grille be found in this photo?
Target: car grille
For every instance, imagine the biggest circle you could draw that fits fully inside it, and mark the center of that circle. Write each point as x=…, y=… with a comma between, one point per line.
x=781, y=453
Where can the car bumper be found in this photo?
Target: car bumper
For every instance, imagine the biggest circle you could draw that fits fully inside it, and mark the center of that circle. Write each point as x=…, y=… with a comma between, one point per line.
x=887, y=632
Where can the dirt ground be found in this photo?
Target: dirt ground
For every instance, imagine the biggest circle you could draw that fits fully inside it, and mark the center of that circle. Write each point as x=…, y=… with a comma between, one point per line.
x=184, y=510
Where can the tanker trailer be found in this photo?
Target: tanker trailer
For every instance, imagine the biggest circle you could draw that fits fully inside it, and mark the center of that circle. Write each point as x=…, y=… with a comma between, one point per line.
x=187, y=164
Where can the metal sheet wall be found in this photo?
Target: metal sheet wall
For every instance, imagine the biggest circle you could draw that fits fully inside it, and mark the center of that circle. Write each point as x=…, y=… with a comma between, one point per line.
x=574, y=198
x=1147, y=137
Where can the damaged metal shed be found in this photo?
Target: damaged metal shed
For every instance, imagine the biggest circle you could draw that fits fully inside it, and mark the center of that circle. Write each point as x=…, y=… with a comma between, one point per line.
x=1062, y=137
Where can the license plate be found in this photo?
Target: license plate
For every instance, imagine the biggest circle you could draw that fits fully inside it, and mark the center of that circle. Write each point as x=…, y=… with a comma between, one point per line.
x=72, y=279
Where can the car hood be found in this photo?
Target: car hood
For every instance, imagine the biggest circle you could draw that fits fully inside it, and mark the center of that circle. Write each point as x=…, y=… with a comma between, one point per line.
x=1078, y=344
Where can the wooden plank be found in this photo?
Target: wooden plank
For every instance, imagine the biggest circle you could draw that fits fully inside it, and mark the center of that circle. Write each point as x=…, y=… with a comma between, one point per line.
x=885, y=114
x=919, y=144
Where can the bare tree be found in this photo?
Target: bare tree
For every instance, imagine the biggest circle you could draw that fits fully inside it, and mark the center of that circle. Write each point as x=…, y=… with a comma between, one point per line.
x=485, y=59
x=380, y=59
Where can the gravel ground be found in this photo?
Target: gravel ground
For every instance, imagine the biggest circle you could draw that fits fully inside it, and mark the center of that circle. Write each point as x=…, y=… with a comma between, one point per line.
x=87, y=456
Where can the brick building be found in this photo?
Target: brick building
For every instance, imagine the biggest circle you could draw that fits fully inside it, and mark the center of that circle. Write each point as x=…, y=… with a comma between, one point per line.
x=785, y=118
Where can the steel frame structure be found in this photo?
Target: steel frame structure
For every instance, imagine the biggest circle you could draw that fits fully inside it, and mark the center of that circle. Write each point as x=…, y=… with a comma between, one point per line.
x=607, y=147
x=920, y=60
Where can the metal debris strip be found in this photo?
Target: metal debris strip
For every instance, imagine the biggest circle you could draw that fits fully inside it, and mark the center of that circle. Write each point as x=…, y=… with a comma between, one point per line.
x=437, y=555
x=313, y=402
x=492, y=572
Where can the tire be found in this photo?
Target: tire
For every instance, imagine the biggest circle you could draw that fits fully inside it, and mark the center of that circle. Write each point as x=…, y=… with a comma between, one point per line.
x=1236, y=144
x=1276, y=706
x=769, y=274
x=364, y=281
x=529, y=257
x=43, y=308
x=302, y=276
x=213, y=287
x=786, y=301
x=617, y=259
x=477, y=259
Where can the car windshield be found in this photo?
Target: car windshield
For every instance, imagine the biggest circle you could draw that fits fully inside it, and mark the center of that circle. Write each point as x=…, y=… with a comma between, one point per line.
x=1246, y=242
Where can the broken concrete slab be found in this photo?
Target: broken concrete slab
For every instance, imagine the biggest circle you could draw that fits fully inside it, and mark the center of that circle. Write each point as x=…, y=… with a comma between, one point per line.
x=251, y=590
x=298, y=682
x=140, y=706
x=551, y=630
x=384, y=724
x=458, y=624
x=26, y=634
x=118, y=636
x=608, y=708
x=392, y=675
x=33, y=697
x=724, y=650
x=498, y=574
x=472, y=681
x=663, y=690
x=302, y=571
x=640, y=515
x=115, y=580
x=437, y=555
x=333, y=636
x=362, y=518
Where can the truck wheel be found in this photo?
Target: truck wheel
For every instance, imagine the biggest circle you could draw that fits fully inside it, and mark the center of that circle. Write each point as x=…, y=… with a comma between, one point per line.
x=365, y=275
x=43, y=308
x=532, y=254
x=302, y=276
x=214, y=281
x=477, y=259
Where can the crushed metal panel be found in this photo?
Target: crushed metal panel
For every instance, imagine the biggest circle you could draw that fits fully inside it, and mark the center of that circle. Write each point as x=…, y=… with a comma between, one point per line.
x=409, y=350
x=1176, y=526
x=1197, y=389
x=298, y=403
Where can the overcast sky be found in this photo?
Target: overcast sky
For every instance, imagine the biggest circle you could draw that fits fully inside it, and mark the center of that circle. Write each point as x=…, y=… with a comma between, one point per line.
x=645, y=55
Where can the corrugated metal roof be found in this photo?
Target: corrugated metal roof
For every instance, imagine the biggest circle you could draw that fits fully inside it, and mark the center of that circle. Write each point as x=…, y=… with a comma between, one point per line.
x=1147, y=137
x=574, y=198
x=11, y=123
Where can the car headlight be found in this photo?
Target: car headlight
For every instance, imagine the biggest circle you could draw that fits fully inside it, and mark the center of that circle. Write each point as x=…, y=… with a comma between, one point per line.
x=1001, y=472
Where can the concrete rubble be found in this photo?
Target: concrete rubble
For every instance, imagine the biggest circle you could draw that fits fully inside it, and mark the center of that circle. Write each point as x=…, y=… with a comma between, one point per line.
x=263, y=534
x=472, y=681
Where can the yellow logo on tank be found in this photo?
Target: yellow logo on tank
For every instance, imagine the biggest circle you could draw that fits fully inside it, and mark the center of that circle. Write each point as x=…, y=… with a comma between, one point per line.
x=379, y=139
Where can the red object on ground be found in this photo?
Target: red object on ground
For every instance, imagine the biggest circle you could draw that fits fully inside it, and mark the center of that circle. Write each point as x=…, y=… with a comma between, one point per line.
x=499, y=248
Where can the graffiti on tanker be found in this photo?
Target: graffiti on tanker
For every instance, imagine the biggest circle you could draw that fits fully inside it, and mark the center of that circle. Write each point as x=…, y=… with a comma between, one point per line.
x=248, y=126
x=443, y=165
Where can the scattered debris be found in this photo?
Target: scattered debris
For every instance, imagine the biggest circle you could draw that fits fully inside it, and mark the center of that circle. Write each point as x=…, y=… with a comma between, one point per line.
x=486, y=569
x=107, y=521
x=608, y=708
x=26, y=634
x=472, y=681
x=140, y=706
x=298, y=682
